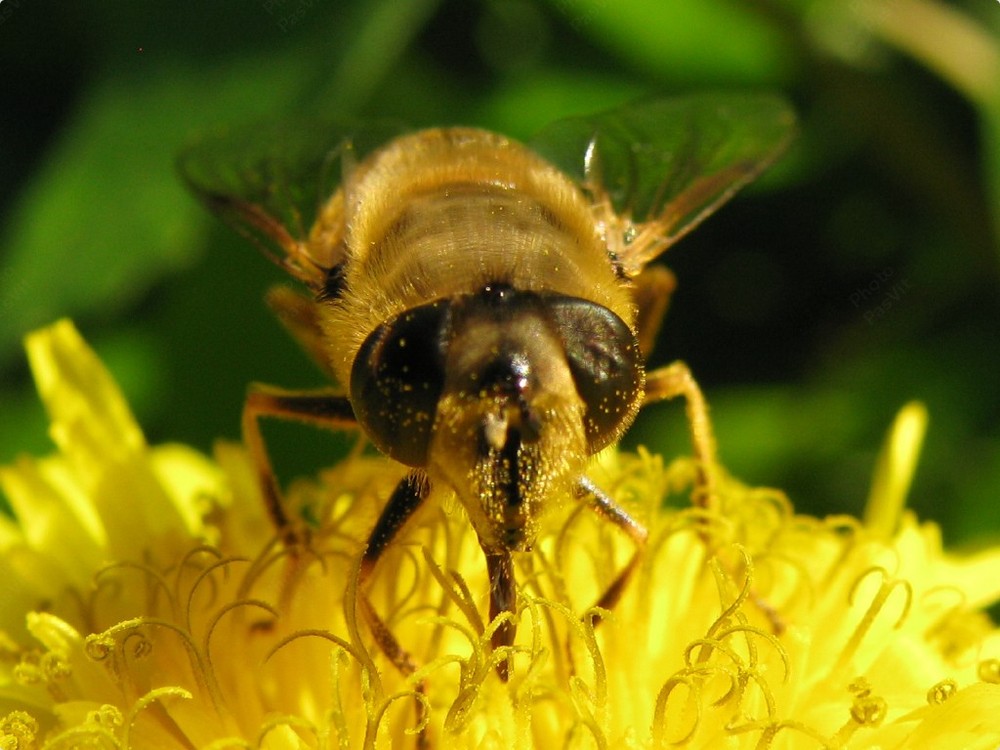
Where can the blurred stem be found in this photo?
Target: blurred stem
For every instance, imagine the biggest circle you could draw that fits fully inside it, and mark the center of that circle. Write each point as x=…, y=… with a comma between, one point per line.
x=946, y=41
x=382, y=33
x=957, y=49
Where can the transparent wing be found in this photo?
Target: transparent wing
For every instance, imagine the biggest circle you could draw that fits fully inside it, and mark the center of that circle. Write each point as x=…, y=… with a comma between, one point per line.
x=269, y=181
x=665, y=164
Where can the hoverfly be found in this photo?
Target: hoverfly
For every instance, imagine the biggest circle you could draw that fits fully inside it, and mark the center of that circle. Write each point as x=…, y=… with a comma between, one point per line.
x=483, y=305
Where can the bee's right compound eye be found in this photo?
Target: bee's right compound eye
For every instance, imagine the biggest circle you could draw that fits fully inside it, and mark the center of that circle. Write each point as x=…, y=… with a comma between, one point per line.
x=397, y=379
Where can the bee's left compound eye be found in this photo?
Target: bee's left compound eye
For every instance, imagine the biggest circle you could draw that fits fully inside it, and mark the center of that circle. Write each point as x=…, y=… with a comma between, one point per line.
x=397, y=379
x=604, y=358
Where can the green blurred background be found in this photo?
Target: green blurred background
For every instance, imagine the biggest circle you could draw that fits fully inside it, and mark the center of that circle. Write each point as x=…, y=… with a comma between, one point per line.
x=860, y=273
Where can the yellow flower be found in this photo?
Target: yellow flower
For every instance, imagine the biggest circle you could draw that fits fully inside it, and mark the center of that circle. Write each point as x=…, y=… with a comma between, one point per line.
x=147, y=604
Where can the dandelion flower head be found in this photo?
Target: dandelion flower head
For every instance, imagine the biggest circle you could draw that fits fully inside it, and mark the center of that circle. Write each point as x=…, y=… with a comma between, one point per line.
x=148, y=604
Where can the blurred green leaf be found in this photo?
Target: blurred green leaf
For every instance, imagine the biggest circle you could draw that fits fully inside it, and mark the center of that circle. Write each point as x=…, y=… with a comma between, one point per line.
x=705, y=41
x=524, y=106
x=105, y=215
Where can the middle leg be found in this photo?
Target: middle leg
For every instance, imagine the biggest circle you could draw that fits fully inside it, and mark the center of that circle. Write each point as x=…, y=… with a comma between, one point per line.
x=676, y=380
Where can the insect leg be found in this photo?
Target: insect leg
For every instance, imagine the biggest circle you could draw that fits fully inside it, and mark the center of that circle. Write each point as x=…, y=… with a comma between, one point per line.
x=607, y=509
x=299, y=314
x=503, y=598
x=676, y=380
x=319, y=408
x=652, y=291
x=409, y=494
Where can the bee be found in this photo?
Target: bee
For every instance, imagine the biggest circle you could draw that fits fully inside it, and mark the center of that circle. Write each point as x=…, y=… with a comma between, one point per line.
x=484, y=305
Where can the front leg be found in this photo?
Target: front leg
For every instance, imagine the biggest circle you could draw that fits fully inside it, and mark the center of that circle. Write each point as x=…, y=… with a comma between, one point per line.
x=408, y=496
x=607, y=509
x=405, y=500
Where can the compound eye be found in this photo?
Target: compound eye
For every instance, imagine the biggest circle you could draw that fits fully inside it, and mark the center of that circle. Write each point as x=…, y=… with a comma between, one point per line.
x=604, y=359
x=397, y=378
